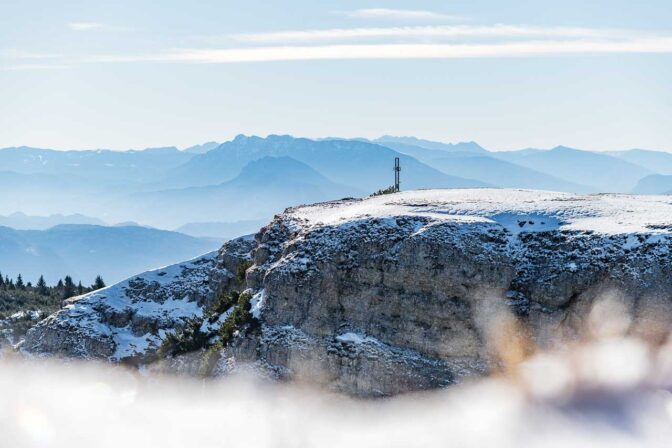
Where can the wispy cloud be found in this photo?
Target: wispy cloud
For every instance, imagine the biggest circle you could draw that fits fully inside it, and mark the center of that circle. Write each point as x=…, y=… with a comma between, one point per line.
x=14, y=53
x=410, y=32
x=401, y=51
x=400, y=14
x=28, y=67
x=410, y=42
x=22, y=60
x=94, y=26
x=86, y=26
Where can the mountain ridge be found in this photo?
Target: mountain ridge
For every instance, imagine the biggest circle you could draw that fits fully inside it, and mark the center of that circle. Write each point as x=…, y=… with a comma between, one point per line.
x=84, y=251
x=383, y=295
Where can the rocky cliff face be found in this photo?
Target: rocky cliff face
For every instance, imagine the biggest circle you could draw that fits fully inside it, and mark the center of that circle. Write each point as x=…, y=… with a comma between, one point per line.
x=393, y=293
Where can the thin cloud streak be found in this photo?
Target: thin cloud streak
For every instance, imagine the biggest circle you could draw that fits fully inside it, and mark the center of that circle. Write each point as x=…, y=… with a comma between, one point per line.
x=28, y=67
x=401, y=51
x=14, y=53
x=400, y=14
x=511, y=31
x=86, y=26
x=94, y=26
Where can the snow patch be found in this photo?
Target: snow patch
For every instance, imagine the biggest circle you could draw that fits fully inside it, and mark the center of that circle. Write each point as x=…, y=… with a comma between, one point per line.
x=356, y=338
x=209, y=327
x=257, y=303
x=128, y=345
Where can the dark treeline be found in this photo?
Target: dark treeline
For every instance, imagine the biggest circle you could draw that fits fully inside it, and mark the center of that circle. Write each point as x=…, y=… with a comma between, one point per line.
x=21, y=295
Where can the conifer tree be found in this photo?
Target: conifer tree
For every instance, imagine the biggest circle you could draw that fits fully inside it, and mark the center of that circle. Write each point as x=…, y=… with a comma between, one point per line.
x=68, y=287
x=80, y=289
x=2, y=282
x=98, y=283
x=42, y=286
x=19, y=283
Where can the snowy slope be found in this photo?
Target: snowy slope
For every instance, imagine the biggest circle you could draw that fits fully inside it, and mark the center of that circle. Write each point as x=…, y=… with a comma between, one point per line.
x=512, y=209
x=125, y=320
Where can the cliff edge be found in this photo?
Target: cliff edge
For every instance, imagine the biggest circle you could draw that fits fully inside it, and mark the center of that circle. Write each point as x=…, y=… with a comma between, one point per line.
x=387, y=294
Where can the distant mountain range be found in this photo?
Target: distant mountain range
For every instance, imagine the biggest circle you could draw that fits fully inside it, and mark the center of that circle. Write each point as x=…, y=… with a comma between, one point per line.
x=656, y=161
x=654, y=184
x=400, y=143
x=359, y=164
x=84, y=251
x=107, y=166
x=21, y=221
x=262, y=188
x=601, y=172
x=250, y=178
x=56, y=202
x=222, y=230
x=201, y=149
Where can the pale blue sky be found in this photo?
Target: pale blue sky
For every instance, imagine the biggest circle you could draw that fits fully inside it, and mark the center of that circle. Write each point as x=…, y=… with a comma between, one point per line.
x=508, y=74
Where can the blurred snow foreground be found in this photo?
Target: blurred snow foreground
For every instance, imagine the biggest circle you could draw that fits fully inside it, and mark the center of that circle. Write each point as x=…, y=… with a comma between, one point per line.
x=606, y=390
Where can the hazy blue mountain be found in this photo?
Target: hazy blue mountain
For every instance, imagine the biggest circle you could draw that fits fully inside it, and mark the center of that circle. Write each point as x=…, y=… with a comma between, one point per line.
x=657, y=161
x=103, y=165
x=281, y=172
x=600, y=171
x=13, y=179
x=116, y=186
x=484, y=167
x=130, y=224
x=518, y=154
x=22, y=221
x=504, y=174
x=45, y=181
x=470, y=147
x=654, y=184
x=222, y=230
x=362, y=165
x=83, y=251
x=422, y=154
x=202, y=149
x=264, y=187
x=44, y=194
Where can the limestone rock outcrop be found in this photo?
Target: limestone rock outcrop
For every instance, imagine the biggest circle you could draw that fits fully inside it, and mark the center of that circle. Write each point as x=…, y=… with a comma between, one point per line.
x=395, y=293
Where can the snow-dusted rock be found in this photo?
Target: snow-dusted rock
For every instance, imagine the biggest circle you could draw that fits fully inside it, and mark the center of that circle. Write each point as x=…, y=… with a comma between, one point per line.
x=129, y=320
x=393, y=293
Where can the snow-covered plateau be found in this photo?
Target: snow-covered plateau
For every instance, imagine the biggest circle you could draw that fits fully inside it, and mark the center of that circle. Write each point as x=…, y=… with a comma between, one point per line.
x=401, y=292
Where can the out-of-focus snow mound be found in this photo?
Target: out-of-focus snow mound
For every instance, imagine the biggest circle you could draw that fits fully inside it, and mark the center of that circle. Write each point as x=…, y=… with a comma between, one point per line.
x=607, y=390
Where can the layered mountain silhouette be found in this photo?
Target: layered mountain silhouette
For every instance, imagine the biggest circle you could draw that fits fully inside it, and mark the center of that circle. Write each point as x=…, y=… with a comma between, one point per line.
x=250, y=178
x=262, y=188
x=401, y=142
x=104, y=165
x=84, y=251
x=654, y=184
x=360, y=164
x=656, y=161
x=222, y=230
x=505, y=174
x=224, y=190
x=602, y=172
x=21, y=221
